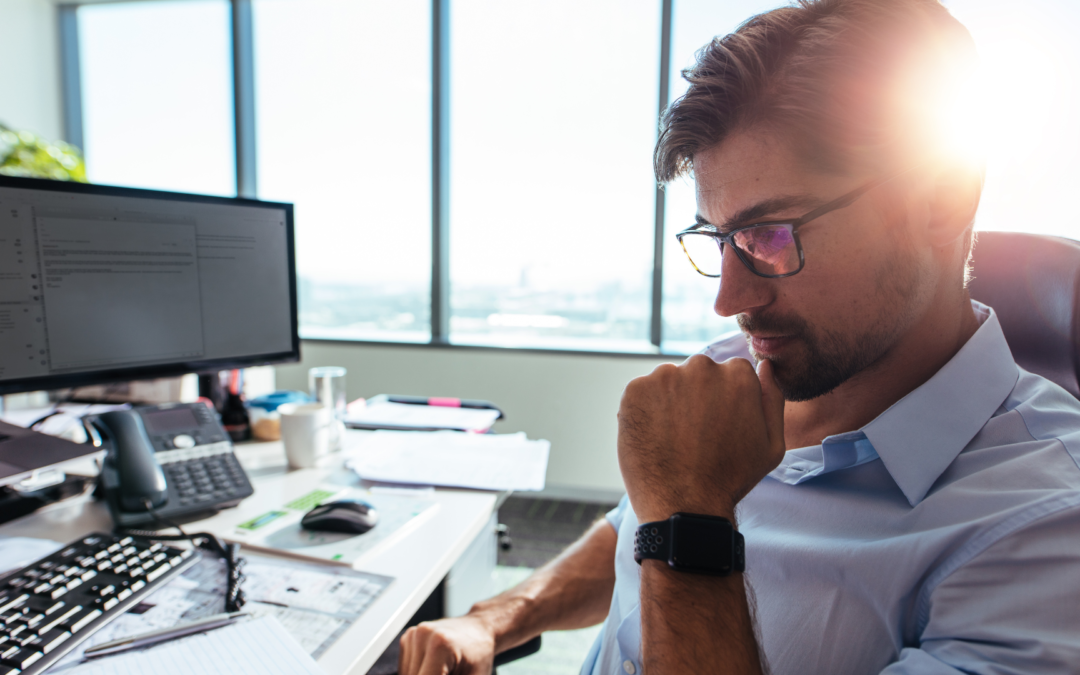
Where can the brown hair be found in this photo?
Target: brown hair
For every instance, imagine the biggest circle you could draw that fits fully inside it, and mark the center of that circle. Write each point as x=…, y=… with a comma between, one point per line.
x=846, y=81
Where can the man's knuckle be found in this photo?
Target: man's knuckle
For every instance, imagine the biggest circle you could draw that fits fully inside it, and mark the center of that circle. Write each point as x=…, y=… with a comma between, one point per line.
x=699, y=360
x=666, y=369
x=437, y=642
x=740, y=366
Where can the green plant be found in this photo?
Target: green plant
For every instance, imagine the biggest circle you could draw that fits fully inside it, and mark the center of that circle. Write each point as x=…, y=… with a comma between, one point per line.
x=23, y=153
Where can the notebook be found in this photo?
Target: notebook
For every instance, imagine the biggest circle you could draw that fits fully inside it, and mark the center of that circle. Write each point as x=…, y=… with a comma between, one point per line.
x=254, y=647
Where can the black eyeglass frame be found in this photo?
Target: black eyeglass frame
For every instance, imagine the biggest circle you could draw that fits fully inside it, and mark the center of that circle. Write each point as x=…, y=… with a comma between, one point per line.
x=727, y=237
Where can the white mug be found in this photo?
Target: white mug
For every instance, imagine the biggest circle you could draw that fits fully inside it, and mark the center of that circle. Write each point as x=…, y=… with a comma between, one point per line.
x=309, y=432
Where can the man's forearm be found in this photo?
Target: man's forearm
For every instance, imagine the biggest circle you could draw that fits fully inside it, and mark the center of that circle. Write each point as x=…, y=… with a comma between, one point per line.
x=573, y=591
x=693, y=623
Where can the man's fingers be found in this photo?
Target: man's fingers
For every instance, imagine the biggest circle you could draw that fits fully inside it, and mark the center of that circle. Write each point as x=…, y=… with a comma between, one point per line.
x=772, y=402
x=438, y=659
x=407, y=660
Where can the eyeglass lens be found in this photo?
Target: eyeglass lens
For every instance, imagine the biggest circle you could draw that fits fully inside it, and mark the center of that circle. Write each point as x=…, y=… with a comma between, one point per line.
x=770, y=250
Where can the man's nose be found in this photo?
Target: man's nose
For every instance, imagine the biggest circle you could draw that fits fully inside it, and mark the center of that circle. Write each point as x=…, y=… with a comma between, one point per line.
x=740, y=289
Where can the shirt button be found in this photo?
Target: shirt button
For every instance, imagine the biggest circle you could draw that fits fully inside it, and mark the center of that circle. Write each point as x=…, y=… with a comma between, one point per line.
x=628, y=666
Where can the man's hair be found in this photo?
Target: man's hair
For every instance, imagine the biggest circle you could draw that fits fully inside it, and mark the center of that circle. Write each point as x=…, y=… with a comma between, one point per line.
x=852, y=84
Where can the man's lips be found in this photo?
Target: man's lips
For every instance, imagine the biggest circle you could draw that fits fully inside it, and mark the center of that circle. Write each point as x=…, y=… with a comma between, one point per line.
x=765, y=346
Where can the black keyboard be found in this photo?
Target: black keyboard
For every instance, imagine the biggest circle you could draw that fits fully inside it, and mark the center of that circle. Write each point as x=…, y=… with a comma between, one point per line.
x=50, y=606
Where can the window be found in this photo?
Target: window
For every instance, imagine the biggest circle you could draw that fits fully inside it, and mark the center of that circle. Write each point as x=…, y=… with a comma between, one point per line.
x=553, y=120
x=343, y=105
x=157, y=95
x=689, y=320
x=547, y=115
x=1029, y=57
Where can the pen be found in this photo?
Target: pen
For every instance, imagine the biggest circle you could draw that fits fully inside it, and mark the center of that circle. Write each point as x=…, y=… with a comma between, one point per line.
x=164, y=634
x=443, y=402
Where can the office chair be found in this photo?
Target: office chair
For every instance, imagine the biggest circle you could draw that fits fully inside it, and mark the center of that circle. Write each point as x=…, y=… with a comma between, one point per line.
x=1033, y=283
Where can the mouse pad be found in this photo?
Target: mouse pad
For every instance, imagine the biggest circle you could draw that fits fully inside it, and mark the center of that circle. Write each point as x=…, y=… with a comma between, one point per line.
x=280, y=530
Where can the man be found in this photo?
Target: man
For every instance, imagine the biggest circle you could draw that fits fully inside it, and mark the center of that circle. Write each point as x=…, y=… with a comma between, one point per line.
x=907, y=495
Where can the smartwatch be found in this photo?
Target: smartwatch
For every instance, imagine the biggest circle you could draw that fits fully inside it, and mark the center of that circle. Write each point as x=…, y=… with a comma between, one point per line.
x=690, y=542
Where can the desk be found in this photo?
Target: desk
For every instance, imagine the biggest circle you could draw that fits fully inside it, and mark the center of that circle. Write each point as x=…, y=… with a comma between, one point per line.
x=417, y=562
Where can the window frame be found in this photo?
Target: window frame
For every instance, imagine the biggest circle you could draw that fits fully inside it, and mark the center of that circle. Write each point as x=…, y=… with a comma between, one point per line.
x=243, y=74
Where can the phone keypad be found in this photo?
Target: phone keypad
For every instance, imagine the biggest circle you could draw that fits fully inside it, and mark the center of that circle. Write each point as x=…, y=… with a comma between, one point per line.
x=207, y=480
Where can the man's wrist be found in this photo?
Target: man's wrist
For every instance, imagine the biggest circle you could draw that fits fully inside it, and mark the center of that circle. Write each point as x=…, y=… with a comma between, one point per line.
x=503, y=618
x=653, y=513
x=690, y=542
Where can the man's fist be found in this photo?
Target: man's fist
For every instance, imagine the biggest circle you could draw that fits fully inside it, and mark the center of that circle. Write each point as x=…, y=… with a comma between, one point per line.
x=699, y=436
x=461, y=646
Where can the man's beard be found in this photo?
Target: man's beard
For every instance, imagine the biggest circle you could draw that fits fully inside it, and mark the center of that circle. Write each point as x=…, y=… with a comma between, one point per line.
x=831, y=357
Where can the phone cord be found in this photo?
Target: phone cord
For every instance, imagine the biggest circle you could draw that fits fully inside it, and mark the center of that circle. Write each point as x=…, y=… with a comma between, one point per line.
x=230, y=553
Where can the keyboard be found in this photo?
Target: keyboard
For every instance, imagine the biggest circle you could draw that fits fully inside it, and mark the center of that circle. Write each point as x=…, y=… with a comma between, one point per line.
x=50, y=606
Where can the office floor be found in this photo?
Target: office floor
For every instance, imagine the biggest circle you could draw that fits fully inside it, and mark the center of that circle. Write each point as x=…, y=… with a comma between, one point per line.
x=540, y=530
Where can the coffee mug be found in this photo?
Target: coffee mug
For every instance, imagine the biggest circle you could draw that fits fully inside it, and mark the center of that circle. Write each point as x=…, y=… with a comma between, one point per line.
x=309, y=432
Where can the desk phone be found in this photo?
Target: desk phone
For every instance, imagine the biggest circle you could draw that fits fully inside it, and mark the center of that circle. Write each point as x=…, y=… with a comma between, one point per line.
x=167, y=462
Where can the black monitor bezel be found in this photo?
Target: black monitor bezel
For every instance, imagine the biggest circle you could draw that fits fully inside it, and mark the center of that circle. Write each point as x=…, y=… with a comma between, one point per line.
x=96, y=377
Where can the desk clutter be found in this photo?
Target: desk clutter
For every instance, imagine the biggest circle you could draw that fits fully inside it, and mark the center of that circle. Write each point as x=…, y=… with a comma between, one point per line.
x=162, y=611
x=301, y=608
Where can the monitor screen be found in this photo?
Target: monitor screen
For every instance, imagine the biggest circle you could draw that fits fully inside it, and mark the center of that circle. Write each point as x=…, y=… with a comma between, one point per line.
x=102, y=284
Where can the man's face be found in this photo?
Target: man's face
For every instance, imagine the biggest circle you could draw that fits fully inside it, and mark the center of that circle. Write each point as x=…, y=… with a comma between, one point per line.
x=864, y=282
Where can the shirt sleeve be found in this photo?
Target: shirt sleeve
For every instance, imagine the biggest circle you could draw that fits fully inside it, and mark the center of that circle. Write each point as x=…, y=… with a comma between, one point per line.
x=615, y=515
x=1013, y=609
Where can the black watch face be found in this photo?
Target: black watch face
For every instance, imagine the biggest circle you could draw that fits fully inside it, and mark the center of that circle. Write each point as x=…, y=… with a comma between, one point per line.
x=704, y=544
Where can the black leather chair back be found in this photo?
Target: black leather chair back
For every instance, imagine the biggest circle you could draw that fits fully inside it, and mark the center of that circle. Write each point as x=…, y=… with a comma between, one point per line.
x=1033, y=283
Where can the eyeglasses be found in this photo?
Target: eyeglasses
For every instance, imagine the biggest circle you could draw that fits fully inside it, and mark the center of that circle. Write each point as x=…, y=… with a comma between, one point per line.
x=771, y=249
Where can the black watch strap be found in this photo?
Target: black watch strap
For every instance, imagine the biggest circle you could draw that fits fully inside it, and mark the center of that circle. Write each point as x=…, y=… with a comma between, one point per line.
x=690, y=542
x=652, y=541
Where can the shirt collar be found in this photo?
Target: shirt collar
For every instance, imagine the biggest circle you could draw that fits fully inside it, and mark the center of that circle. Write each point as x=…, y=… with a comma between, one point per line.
x=920, y=435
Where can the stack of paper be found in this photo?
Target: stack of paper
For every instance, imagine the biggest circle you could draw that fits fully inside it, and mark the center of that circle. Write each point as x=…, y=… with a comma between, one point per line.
x=389, y=415
x=447, y=458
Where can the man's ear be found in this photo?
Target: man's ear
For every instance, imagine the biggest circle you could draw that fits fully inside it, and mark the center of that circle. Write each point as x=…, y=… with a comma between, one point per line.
x=953, y=201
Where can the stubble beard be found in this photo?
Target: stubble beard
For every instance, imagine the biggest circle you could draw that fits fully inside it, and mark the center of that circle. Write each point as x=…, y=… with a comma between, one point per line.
x=827, y=357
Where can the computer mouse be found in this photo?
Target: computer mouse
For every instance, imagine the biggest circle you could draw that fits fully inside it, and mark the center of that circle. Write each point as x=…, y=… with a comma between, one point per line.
x=353, y=516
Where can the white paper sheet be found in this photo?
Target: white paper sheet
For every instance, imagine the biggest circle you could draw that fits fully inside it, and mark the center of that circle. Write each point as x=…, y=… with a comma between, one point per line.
x=447, y=458
x=405, y=415
x=18, y=552
x=255, y=647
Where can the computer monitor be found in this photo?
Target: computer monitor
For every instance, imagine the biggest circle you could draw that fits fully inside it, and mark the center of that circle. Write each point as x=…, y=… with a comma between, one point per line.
x=104, y=284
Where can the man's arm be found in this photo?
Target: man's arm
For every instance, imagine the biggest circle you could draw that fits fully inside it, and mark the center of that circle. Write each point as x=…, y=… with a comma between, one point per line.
x=697, y=438
x=695, y=624
x=573, y=591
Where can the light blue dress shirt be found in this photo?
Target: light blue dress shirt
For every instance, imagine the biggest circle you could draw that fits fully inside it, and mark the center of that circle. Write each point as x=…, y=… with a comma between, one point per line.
x=941, y=538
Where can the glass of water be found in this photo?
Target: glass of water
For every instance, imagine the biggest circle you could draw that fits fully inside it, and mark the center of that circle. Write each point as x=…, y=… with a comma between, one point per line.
x=327, y=385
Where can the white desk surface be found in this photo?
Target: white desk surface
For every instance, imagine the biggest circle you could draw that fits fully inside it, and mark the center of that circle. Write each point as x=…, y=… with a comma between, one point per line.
x=418, y=562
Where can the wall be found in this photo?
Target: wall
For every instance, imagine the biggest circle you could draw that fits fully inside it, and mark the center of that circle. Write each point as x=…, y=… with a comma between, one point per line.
x=30, y=95
x=569, y=399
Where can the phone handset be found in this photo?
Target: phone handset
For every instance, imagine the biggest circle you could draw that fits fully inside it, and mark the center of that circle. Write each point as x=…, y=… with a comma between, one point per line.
x=137, y=476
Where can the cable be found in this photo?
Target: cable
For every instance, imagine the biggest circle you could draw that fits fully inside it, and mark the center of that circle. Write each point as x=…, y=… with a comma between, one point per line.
x=234, y=564
x=41, y=419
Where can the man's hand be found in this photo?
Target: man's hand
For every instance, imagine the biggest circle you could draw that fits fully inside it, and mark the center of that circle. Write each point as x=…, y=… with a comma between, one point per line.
x=570, y=592
x=699, y=436
x=461, y=646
